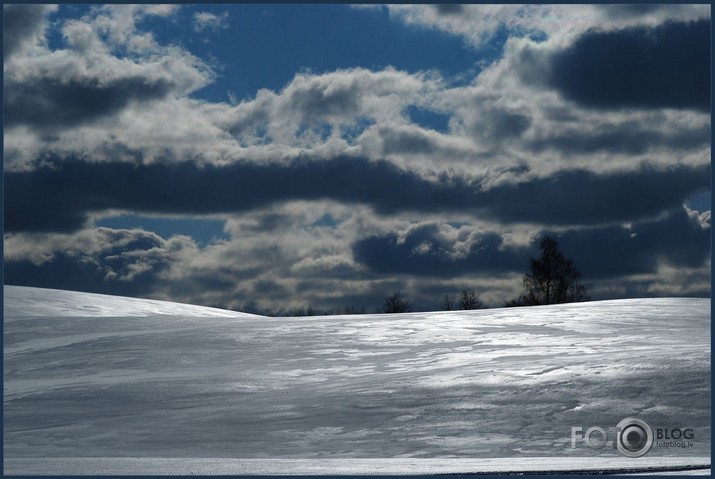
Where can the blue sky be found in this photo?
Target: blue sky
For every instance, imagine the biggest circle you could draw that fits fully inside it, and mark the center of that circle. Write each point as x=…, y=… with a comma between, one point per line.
x=264, y=46
x=270, y=157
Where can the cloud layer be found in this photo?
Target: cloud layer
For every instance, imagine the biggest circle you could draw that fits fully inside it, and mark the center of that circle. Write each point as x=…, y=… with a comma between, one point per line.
x=641, y=67
x=73, y=189
x=587, y=122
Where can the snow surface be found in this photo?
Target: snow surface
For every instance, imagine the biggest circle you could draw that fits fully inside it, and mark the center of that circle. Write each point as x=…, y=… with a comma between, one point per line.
x=349, y=466
x=93, y=376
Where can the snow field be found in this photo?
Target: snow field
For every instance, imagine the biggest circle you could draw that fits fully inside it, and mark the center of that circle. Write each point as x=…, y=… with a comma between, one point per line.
x=100, y=376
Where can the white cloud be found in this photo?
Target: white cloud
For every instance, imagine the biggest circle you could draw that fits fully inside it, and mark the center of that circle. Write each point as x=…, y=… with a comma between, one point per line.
x=210, y=21
x=500, y=122
x=336, y=98
x=560, y=23
x=134, y=247
x=476, y=23
x=119, y=24
x=90, y=67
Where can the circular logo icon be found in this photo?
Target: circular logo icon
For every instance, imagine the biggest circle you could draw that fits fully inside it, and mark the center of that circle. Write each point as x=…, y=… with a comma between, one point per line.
x=634, y=437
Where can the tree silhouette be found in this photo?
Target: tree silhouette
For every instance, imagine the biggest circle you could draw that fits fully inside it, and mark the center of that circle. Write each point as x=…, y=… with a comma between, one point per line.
x=553, y=279
x=396, y=303
x=448, y=303
x=469, y=299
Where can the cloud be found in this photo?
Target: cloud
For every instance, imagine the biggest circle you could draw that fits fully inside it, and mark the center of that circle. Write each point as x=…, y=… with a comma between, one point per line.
x=476, y=23
x=333, y=100
x=495, y=123
x=667, y=66
x=102, y=260
x=629, y=138
x=49, y=103
x=582, y=197
x=602, y=253
x=425, y=250
x=479, y=25
x=296, y=248
x=677, y=239
x=449, y=8
x=414, y=147
x=72, y=189
x=87, y=81
x=117, y=25
x=621, y=15
x=308, y=261
x=210, y=21
x=23, y=26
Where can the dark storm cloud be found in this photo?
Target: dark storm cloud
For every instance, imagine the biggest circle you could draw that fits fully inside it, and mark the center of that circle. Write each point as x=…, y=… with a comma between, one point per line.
x=268, y=287
x=666, y=66
x=72, y=188
x=128, y=263
x=51, y=103
x=678, y=239
x=424, y=252
x=448, y=8
x=583, y=197
x=67, y=272
x=20, y=24
x=57, y=197
x=629, y=138
x=600, y=253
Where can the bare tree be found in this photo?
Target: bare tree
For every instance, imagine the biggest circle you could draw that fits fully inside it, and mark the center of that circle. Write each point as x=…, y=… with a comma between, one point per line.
x=469, y=299
x=448, y=303
x=552, y=279
x=396, y=303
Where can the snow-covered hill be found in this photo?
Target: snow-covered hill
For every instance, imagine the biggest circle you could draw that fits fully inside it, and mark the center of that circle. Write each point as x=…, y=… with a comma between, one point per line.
x=100, y=376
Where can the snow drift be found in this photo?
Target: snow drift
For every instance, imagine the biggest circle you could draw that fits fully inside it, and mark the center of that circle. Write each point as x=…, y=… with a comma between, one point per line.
x=107, y=377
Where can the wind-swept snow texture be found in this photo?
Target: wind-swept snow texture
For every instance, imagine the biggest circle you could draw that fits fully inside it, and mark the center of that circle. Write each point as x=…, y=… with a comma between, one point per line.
x=99, y=376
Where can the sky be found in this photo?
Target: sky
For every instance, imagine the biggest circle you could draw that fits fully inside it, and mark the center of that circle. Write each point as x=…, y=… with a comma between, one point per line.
x=265, y=158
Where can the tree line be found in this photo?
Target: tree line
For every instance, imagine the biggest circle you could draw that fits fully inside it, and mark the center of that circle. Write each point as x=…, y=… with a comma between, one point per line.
x=552, y=279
